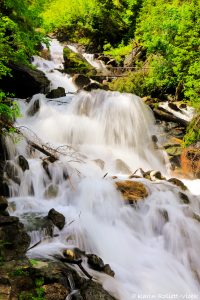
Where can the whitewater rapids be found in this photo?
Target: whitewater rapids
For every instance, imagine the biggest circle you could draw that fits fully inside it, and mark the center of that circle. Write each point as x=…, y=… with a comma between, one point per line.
x=153, y=249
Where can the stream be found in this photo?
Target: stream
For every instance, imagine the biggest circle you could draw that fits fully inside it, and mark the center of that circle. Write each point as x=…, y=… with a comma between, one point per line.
x=153, y=249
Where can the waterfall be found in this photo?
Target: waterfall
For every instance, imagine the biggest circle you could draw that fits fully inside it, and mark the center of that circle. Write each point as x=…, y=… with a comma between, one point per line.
x=152, y=249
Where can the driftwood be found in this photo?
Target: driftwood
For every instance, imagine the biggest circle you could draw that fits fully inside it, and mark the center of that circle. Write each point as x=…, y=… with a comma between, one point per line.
x=164, y=115
x=43, y=149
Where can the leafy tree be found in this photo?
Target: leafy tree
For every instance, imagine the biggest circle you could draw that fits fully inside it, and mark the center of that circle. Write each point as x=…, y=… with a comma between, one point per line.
x=170, y=32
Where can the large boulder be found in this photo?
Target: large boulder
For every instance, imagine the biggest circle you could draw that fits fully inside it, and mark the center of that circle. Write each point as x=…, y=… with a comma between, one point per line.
x=95, y=86
x=76, y=63
x=132, y=191
x=25, y=81
x=3, y=203
x=56, y=93
x=57, y=218
x=81, y=80
x=15, y=239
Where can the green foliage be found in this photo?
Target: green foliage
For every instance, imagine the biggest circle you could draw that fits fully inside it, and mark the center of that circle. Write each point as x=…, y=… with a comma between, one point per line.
x=33, y=262
x=8, y=108
x=193, y=132
x=170, y=30
x=19, y=272
x=39, y=282
x=96, y=22
x=120, y=52
x=18, y=35
x=37, y=295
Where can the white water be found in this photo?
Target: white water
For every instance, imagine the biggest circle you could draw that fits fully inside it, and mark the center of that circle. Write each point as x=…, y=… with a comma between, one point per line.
x=50, y=68
x=99, y=65
x=152, y=249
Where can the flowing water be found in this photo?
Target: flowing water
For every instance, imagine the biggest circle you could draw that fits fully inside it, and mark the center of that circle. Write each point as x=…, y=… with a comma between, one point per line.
x=152, y=249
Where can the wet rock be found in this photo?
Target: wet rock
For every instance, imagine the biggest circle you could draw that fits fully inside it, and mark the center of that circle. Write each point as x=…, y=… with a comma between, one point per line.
x=36, y=222
x=164, y=115
x=183, y=106
x=72, y=255
x=164, y=214
x=175, y=162
x=23, y=163
x=100, y=163
x=55, y=291
x=80, y=80
x=4, y=213
x=16, y=240
x=178, y=183
x=3, y=150
x=4, y=189
x=122, y=167
x=56, y=93
x=132, y=190
x=154, y=138
x=45, y=165
x=7, y=220
x=107, y=270
x=94, y=86
x=104, y=58
x=154, y=175
x=184, y=198
x=57, y=272
x=196, y=217
x=45, y=53
x=51, y=191
x=21, y=281
x=57, y=218
x=25, y=81
x=95, y=262
x=94, y=291
x=3, y=203
x=11, y=171
x=112, y=63
x=173, y=106
x=34, y=109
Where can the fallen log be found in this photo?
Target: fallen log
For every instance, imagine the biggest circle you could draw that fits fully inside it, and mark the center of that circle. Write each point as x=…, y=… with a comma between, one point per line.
x=164, y=115
x=42, y=149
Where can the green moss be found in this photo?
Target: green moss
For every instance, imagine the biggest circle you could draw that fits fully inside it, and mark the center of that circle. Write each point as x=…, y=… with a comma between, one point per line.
x=118, y=53
x=193, y=132
x=76, y=64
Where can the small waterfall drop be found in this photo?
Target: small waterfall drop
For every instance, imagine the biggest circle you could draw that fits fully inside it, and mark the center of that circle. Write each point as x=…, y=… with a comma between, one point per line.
x=152, y=249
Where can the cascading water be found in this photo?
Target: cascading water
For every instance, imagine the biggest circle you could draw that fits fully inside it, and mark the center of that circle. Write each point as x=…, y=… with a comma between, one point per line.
x=152, y=249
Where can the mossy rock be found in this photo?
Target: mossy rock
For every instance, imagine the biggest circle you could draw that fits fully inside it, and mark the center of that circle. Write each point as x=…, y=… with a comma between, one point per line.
x=75, y=63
